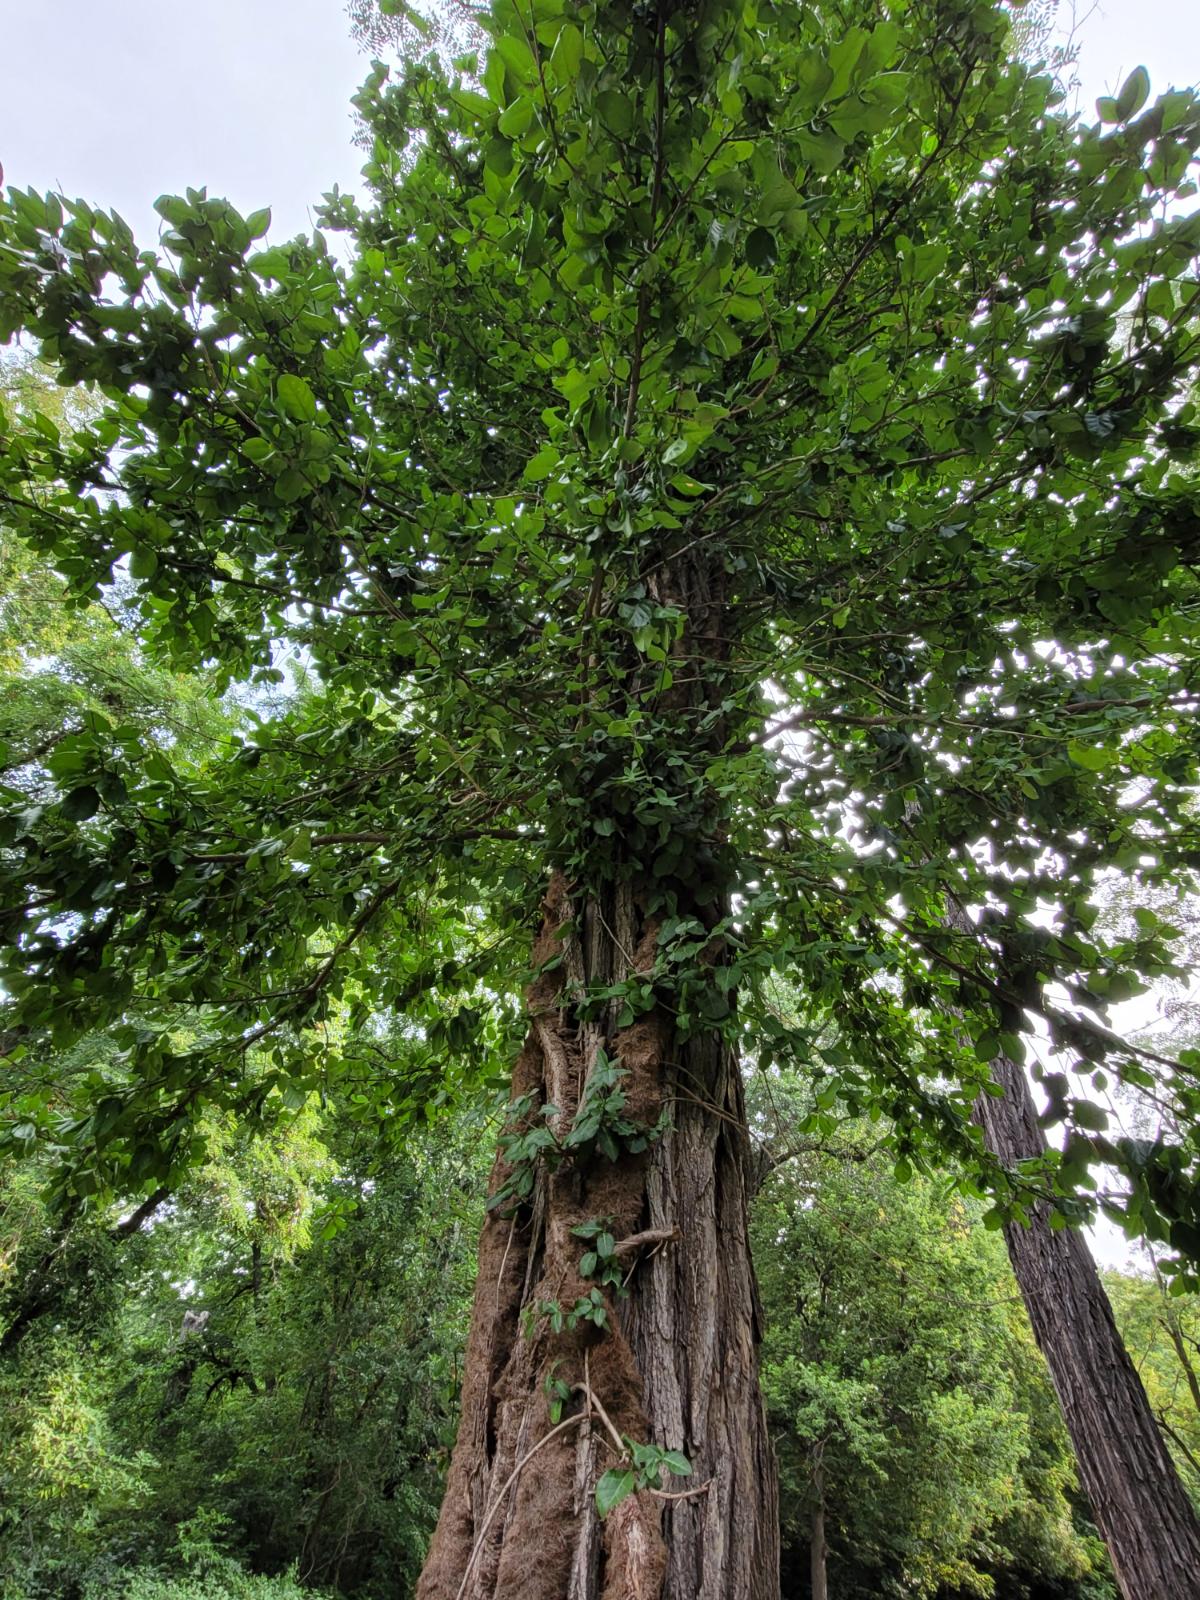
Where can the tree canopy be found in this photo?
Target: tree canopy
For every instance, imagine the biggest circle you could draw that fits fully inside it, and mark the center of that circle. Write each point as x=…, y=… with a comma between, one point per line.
x=641, y=282
x=695, y=567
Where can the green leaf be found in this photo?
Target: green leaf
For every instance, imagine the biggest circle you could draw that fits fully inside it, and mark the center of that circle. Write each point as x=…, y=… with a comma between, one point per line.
x=81, y=804
x=843, y=58
x=518, y=57
x=272, y=263
x=1087, y=1115
x=258, y=222
x=614, y=1486
x=616, y=111
x=1135, y=91
x=567, y=55
x=760, y=248
x=291, y=485
x=476, y=102
x=889, y=88
x=1092, y=759
x=1185, y=1236
x=822, y=149
x=296, y=398
x=143, y=562
x=542, y=465
x=515, y=120
x=493, y=78
x=174, y=210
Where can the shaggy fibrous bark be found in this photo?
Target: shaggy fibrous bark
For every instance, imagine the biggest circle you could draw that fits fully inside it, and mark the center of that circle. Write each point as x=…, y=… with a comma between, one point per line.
x=676, y=1364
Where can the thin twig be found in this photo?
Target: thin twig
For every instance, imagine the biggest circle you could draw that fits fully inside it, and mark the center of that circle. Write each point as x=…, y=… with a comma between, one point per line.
x=682, y=1494
x=593, y=1399
x=568, y=1422
x=635, y=1241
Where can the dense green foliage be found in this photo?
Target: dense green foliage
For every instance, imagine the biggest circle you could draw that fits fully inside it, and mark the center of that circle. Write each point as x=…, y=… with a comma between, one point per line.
x=302, y=1424
x=842, y=303
x=352, y=591
x=1162, y=1334
x=904, y=1388
x=271, y=1364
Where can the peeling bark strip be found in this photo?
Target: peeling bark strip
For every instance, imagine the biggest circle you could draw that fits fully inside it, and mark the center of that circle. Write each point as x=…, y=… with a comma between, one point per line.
x=1138, y=1501
x=678, y=1365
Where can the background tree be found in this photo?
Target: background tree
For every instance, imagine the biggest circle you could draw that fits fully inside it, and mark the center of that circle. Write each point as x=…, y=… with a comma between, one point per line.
x=918, y=1453
x=275, y=1362
x=303, y=1420
x=1160, y=1331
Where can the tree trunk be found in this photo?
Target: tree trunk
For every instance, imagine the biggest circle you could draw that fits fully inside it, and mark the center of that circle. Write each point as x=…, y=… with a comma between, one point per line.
x=1170, y=1322
x=650, y=1141
x=817, y=1546
x=677, y=1364
x=1138, y=1501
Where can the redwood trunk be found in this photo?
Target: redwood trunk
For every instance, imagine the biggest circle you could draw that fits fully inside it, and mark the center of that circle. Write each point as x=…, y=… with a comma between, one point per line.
x=1138, y=1501
x=678, y=1364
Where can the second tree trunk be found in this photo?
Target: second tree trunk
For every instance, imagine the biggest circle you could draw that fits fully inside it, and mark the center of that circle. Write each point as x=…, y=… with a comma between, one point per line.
x=1137, y=1498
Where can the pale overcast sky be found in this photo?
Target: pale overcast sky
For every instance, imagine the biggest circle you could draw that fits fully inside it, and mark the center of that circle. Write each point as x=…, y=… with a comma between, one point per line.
x=122, y=100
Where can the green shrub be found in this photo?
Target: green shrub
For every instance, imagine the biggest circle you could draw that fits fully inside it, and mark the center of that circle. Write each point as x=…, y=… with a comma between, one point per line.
x=201, y=1570
x=223, y=1581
